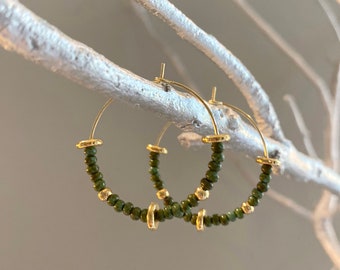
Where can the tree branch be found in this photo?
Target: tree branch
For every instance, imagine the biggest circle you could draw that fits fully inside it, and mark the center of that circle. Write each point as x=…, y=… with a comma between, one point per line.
x=36, y=40
x=256, y=97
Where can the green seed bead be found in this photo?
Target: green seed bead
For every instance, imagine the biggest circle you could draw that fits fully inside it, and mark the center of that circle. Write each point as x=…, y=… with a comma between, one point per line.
x=177, y=210
x=155, y=177
x=187, y=217
x=135, y=213
x=206, y=185
x=262, y=187
x=231, y=216
x=154, y=171
x=239, y=213
x=265, y=178
x=96, y=177
x=257, y=194
x=217, y=147
x=207, y=221
x=267, y=169
x=212, y=176
x=158, y=185
x=112, y=199
x=214, y=166
x=185, y=207
x=127, y=209
x=154, y=163
x=159, y=215
x=99, y=185
x=217, y=157
x=143, y=215
x=153, y=155
x=168, y=212
x=119, y=205
x=93, y=169
x=90, y=151
x=193, y=219
x=216, y=219
x=224, y=219
x=192, y=200
x=168, y=200
x=253, y=201
x=90, y=160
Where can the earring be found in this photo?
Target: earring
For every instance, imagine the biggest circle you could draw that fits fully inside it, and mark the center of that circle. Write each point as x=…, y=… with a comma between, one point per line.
x=216, y=140
x=184, y=208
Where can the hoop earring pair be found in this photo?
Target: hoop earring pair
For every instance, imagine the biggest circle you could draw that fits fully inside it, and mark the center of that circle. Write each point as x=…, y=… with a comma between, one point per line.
x=183, y=209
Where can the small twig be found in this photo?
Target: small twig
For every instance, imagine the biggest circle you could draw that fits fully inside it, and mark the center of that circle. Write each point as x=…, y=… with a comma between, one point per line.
x=331, y=16
x=291, y=204
x=290, y=52
x=256, y=97
x=323, y=226
x=335, y=124
x=174, y=58
x=300, y=122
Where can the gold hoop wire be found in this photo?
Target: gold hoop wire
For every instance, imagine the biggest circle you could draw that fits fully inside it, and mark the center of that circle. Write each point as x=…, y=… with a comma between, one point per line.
x=91, y=141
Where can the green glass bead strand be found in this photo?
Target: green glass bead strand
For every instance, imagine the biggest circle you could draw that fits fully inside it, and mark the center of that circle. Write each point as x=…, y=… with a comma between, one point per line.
x=239, y=212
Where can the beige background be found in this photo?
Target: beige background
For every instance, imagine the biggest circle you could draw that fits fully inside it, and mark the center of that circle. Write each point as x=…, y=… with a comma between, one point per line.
x=50, y=216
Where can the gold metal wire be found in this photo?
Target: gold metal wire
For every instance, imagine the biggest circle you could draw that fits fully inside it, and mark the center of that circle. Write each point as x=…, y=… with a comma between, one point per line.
x=253, y=123
x=217, y=136
x=99, y=115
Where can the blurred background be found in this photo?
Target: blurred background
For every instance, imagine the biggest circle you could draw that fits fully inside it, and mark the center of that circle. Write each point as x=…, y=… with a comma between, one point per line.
x=50, y=215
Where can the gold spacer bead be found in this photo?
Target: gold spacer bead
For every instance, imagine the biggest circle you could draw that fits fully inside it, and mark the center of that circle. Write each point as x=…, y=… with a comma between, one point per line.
x=200, y=220
x=216, y=138
x=88, y=143
x=201, y=194
x=150, y=216
x=104, y=194
x=268, y=161
x=247, y=208
x=157, y=149
x=162, y=194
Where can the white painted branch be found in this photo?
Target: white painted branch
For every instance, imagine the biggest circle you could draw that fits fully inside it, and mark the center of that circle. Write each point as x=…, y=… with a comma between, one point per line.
x=256, y=97
x=23, y=32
